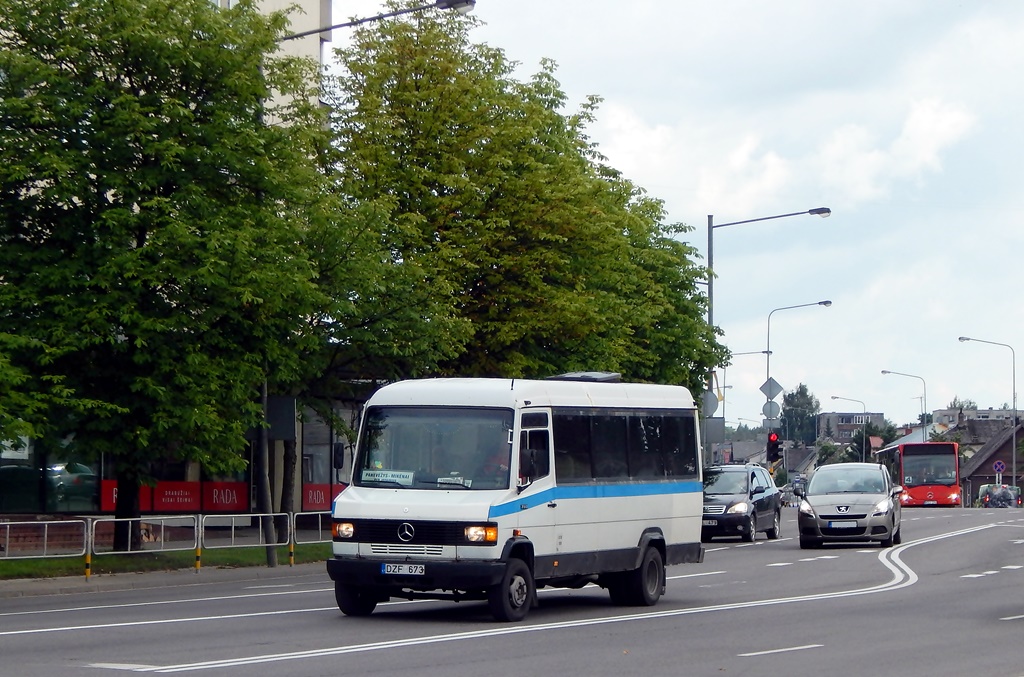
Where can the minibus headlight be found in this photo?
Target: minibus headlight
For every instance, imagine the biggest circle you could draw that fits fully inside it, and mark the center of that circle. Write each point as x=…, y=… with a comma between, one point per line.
x=482, y=534
x=343, y=530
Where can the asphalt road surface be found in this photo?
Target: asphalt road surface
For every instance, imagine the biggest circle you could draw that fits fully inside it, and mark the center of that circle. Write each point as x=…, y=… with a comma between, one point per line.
x=948, y=601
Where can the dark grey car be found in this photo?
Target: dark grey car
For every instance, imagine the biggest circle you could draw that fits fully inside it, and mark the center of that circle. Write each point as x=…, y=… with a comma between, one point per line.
x=740, y=500
x=847, y=502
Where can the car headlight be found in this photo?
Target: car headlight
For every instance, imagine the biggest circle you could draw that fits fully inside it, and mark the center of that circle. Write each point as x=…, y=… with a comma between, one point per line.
x=737, y=509
x=882, y=507
x=343, y=529
x=806, y=508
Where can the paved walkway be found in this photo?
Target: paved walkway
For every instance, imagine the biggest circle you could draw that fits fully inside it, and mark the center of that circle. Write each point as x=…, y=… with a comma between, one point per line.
x=25, y=587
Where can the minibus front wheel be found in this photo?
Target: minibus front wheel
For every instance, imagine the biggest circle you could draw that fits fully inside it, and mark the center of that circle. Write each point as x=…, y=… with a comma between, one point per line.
x=353, y=600
x=510, y=599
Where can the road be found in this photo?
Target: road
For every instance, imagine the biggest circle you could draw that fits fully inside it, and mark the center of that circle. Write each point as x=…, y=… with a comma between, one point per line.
x=948, y=601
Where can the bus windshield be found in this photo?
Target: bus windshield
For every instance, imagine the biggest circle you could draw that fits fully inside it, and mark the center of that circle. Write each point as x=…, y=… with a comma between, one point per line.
x=436, y=448
x=929, y=469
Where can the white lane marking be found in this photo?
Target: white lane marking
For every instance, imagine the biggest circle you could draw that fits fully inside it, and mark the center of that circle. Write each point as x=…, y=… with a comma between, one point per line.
x=123, y=666
x=789, y=648
x=781, y=564
x=703, y=573
x=96, y=607
x=162, y=621
x=902, y=576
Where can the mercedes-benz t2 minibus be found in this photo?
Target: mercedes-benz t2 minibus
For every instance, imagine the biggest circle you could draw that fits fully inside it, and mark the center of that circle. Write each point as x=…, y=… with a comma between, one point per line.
x=487, y=489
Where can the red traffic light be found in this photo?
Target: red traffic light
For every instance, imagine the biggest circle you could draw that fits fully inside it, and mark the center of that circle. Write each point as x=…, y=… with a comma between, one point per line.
x=774, y=447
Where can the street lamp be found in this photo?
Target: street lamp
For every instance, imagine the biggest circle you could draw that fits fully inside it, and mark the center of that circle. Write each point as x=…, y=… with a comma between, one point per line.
x=823, y=212
x=864, y=425
x=768, y=345
x=460, y=6
x=924, y=402
x=1013, y=377
x=724, y=371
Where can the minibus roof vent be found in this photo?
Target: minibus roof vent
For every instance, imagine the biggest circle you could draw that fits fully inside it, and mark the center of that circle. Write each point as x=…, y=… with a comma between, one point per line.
x=598, y=376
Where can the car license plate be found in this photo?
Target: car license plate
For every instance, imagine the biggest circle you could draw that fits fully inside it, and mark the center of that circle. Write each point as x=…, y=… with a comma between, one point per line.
x=403, y=569
x=843, y=524
x=710, y=523
x=931, y=502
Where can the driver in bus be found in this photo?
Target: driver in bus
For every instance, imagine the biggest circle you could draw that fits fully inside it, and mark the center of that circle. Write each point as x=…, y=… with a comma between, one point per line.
x=496, y=466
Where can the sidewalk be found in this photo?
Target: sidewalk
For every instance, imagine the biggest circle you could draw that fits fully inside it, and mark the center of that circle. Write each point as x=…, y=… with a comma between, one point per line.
x=29, y=587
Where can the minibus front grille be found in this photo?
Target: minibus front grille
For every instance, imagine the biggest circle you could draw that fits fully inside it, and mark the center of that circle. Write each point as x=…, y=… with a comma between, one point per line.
x=385, y=549
x=409, y=532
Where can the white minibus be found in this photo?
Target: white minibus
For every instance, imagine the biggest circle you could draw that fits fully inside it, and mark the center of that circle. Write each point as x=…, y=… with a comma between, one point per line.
x=487, y=489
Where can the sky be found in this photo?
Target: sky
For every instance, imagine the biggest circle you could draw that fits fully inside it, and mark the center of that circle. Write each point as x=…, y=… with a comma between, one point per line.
x=904, y=118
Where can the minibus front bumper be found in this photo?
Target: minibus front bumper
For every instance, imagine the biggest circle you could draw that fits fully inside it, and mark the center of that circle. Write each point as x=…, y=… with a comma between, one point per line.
x=444, y=575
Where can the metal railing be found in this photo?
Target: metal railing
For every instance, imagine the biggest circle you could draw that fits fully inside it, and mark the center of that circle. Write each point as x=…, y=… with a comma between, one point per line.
x=54, y=538
x=159, y=533
x=86, y=537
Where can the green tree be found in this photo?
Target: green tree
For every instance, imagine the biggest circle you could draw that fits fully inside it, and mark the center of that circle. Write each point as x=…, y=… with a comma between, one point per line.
x=833, y=453
x=957, y=403
x=153, y=223
x=799, y=415
x=549, y=257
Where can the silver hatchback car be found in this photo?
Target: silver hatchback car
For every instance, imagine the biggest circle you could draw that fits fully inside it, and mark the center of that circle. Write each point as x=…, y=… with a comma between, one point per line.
x=849, y=502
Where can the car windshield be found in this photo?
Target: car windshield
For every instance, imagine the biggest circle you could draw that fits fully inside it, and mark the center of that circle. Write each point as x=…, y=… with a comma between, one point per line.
x=725, y=482
x=847, y=481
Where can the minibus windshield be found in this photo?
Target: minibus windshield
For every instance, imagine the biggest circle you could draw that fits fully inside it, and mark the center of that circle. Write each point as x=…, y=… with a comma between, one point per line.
x=435, y=448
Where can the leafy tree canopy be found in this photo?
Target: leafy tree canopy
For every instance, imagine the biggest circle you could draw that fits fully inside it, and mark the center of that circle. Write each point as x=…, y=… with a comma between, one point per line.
x=800, y=410
x=539, y=256
x=152, y=221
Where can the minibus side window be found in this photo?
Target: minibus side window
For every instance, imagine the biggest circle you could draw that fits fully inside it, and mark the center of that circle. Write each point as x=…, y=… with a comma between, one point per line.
x=534, y=454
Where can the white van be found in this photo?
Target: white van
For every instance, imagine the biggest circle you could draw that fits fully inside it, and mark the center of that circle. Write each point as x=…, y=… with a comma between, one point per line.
x=486, y=489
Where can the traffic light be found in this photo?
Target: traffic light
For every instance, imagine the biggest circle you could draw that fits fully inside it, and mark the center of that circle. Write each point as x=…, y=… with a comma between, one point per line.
x=774, y=448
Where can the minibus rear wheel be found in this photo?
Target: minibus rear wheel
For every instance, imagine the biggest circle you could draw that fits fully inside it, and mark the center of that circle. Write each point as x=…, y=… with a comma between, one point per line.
x=645, y=584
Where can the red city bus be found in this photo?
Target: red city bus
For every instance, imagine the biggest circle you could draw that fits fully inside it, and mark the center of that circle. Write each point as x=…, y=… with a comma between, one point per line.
x=928, y=471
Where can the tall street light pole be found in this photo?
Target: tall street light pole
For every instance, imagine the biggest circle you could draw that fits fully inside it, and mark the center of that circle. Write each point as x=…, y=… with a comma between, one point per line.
x=1013, y=380
x=823, y=212
x=461, y=6
x=768, y=346
x=864, y=425
x=924, y=401
x=262, y=461
x=749, y=352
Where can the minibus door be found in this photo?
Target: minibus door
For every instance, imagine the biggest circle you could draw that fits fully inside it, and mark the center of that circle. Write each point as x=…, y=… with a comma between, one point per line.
x=538, y=509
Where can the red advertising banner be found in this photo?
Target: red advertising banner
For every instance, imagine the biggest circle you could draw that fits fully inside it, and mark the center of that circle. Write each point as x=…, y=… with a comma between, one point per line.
x=108, y=497
x=225, y=497
x=176, y=497
x=317, y=497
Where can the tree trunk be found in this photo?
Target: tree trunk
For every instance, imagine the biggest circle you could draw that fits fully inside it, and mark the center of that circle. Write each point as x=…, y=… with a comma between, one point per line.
x=127, y=535
x=264, y=503
x=287, y=484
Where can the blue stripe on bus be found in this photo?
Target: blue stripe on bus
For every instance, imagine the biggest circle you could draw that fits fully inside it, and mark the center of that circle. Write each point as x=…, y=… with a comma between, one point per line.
x=577, y=491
